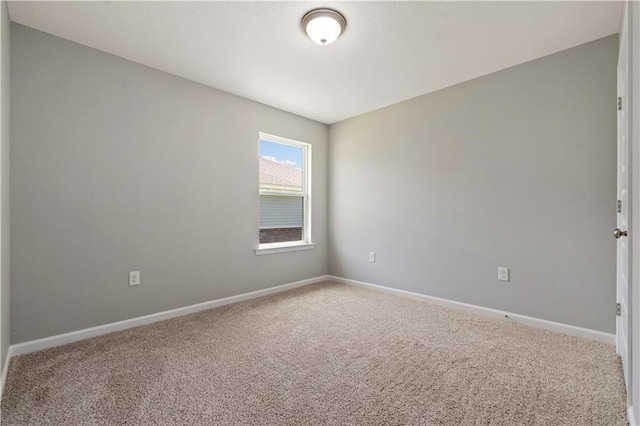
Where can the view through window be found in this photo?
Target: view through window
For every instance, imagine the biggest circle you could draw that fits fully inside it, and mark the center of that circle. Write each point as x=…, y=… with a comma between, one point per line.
x=283, y=190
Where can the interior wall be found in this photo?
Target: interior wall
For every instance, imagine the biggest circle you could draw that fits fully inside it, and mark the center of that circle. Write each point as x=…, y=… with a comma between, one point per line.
x=513, y=169
x=5, y=30
x=118, y=167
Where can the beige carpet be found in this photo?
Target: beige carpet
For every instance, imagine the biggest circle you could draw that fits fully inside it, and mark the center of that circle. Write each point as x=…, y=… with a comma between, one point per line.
x=322, y=354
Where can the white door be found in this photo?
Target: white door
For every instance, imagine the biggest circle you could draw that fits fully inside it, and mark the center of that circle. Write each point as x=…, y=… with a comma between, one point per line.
x=622, y=323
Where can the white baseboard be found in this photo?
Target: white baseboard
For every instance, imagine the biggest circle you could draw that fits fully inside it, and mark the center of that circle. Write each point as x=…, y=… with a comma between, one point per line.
x=572, y=330
x=5, y=369
x=631, y=417
x=74, y=336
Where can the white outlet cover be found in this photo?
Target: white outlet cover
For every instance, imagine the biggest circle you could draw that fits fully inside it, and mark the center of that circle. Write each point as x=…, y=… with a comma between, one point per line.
x=372, y=257
x=134, y=278
x=503, y=274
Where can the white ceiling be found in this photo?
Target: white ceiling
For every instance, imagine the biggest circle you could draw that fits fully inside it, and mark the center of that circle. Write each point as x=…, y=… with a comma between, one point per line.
x=390, y=51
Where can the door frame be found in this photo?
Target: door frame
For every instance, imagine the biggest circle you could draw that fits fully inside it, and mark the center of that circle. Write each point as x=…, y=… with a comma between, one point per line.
x=623, y=292
x=631, y=17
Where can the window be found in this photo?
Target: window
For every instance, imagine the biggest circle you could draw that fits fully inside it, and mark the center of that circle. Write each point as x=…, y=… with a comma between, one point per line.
x=284, y=191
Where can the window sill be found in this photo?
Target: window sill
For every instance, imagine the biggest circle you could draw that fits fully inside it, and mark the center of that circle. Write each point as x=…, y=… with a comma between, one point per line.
x=283, y=247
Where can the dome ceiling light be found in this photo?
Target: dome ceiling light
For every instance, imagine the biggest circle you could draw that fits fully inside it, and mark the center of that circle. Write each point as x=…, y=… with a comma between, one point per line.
x=323, y=26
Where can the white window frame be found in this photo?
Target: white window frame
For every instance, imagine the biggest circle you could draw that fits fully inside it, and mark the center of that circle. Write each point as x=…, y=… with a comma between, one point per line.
x=306, y=242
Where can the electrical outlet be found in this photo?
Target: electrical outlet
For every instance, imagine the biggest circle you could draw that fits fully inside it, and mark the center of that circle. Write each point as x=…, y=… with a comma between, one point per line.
x=372, y=257
x=503, y=273
x=134, y=278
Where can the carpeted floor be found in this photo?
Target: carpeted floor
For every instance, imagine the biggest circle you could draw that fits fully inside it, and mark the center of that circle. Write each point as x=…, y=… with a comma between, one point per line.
x=322, y=354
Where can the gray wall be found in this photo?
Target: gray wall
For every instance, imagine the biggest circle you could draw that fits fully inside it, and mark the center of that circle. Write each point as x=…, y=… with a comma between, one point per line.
x=5, y=29
x=117, y=167
x=515, y=169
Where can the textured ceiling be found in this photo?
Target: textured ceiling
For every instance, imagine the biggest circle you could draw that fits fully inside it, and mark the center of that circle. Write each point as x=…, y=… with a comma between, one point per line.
x=390, y=51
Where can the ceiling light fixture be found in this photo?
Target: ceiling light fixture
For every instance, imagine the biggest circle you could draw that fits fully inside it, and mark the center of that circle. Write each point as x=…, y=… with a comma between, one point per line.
x=323, y=26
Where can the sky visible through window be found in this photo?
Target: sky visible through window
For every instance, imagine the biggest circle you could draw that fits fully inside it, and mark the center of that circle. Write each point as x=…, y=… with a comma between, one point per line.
x=284, y=154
